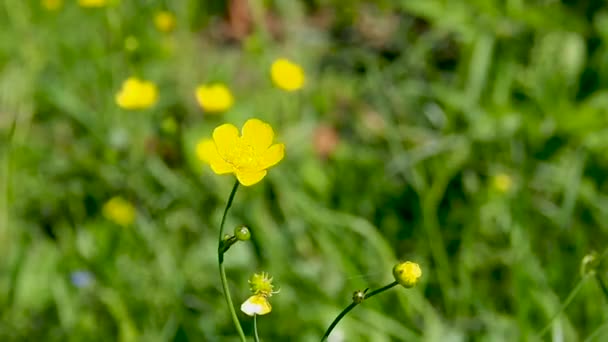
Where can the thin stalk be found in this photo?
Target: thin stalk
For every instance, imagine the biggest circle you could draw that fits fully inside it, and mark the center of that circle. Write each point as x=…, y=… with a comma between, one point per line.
x=597, y=333
x=569, y=299
x=602, y=284
x=220, y=258
x=256, y=338
x=352, y=306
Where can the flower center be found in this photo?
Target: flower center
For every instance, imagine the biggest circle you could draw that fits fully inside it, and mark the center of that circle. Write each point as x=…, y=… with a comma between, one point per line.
x=242, y=156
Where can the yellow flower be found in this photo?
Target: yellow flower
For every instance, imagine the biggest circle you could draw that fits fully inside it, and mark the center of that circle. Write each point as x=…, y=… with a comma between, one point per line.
x=407, y=273
x=204, y=150
x=287, y=75
x=262, y=288
x=164, y=21
x=119, y=211
x=92, y=3
x=137, y=94
x=261, y=284
x=214, y=98
x=256, y=305
x=247, y=156
x=502, y=182
x=52, y=5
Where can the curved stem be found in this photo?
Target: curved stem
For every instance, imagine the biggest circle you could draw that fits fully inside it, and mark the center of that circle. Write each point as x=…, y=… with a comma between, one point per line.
x=255, y=328
x=220, y=258
x=569, y=299
x=352, y=306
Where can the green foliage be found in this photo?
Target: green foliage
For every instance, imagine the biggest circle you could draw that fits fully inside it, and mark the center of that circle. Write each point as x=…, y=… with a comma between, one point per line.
x=468, y=136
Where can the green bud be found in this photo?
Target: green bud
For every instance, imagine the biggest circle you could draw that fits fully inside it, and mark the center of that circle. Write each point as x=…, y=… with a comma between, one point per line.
x=359, y=296
x=242, y=233
x=589, y=263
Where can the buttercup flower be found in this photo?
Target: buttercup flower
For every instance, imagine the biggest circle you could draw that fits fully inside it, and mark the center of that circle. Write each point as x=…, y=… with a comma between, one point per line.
x=287, y=75
x=164, y=21
x=407, y=273
x=262, y=288
x=119, y=211
x=204, y=150
x=137, y=94
x=92, y=3
x=247, y=156
x=214, y=98
x=51, y=5
x=502, y=182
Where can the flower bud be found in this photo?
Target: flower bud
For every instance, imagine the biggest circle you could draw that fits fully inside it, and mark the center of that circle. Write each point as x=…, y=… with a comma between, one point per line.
x=242, y=233
x=359, y=296
x=407, y=273
x=589, y=263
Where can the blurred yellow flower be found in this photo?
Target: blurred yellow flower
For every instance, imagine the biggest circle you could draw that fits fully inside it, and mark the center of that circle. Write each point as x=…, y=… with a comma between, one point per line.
x=214, y=98
x=164, y=21
x=51, y=5
x=204, y=150
x=92, y=3
x=407, y=273
x=262, y=288
x=502, y=182
x=119, y=211
x=247, y=156
x=256, y=305
x=287, y=75
x=137, y=94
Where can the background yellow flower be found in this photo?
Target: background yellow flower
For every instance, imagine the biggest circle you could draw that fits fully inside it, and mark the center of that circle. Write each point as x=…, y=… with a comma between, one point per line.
x=137, y=94
x=287, y=75
x=119, y=211
x=214, y=98
x=205, y=150
x=92, y=3
x=164, y=21
x=247, y=156
x=51, y=5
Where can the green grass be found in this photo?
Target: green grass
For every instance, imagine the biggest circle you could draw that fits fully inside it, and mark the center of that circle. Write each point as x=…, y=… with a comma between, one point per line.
x=431, y=101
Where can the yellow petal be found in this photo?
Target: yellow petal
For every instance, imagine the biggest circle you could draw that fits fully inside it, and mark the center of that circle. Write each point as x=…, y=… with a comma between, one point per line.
x=248, y=178
x=220, y=167
x=226, y=138
x=207, y=152
x=256, y=305
x=272, y=156
x=258, y=134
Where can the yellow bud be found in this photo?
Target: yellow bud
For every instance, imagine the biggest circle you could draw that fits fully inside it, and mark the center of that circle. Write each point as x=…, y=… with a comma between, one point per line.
x=407, y=273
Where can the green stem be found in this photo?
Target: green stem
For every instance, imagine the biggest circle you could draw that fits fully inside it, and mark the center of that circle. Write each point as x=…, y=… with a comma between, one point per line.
x=569, y=299
x=220, y=258
x=352, y=306
x=256, y=338
x=600, y=281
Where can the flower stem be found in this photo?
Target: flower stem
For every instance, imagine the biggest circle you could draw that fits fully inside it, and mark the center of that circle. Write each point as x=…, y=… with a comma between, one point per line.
x=569, y=299
x=352, y=306
x=255, y=328
x=220, y=258
x=600, y=281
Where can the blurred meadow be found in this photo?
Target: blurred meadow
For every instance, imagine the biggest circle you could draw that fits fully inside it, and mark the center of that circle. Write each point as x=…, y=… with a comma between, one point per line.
x=468, y=136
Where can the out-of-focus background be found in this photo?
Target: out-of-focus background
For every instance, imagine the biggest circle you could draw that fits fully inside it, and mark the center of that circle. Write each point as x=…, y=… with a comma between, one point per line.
x=468, y=136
